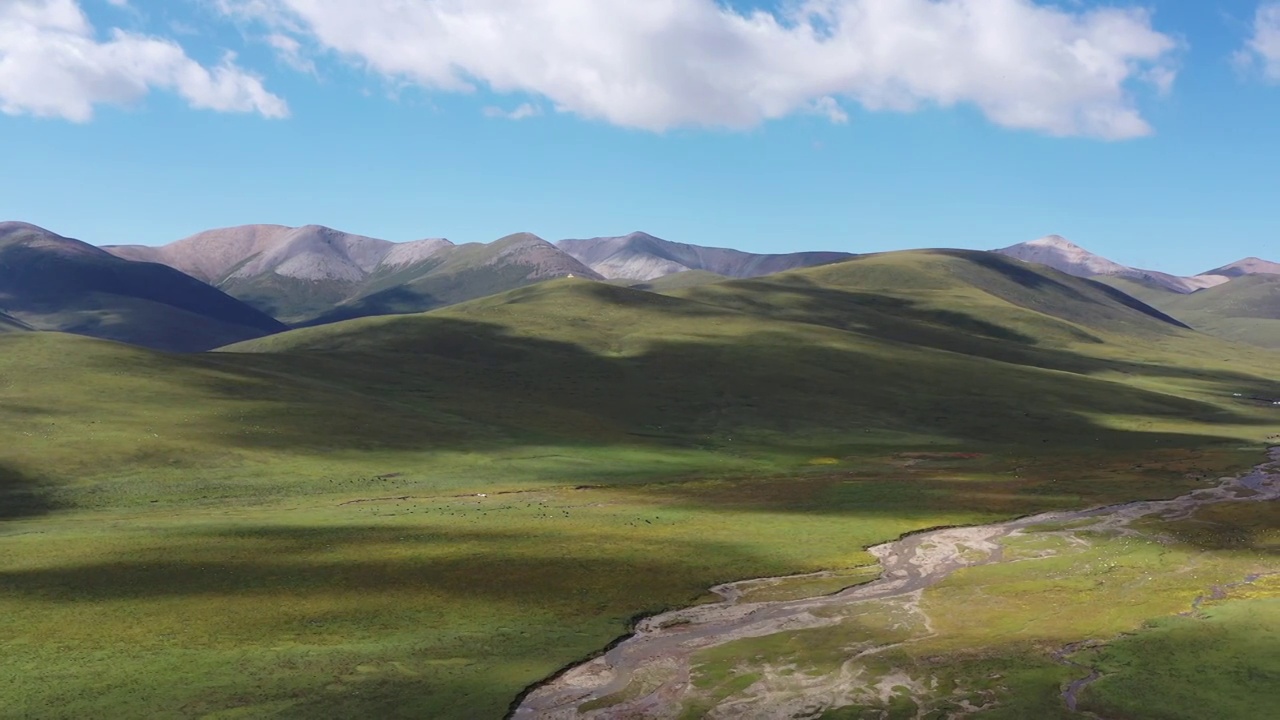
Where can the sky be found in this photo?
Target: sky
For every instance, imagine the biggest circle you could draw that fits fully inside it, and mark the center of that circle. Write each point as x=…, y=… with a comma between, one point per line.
x=1148, y=132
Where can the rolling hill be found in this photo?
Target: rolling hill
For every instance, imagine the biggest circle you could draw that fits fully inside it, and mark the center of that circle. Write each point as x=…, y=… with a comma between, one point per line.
x=316, y=274
x=421, y=515
x=50, y=282
x=640, y=256
x=1246, y=309
x=906, y=342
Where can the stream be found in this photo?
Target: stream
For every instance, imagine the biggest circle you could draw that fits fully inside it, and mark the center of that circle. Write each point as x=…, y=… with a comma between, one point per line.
x=662, y=646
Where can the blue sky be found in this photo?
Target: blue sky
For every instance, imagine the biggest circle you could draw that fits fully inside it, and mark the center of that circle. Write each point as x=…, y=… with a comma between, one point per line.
x=858, y=125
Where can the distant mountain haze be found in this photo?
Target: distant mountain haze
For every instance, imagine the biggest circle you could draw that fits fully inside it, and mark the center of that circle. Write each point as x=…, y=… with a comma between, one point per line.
x=50, y=282
x=640, y=256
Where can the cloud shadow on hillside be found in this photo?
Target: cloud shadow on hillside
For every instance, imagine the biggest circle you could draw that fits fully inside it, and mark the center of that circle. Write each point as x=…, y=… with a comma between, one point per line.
x=23, y=496
x=427, y=382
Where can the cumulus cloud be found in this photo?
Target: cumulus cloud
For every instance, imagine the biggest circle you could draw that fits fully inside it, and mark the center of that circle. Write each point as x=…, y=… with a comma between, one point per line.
x=525, y=110
x=828, y=107
x=52, y=64
x=1263, y=48
x=289, y=50
x=657, y=64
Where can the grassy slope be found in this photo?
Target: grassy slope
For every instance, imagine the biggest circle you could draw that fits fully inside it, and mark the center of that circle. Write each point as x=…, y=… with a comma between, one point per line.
x=1246, y=309
x=1158, y=669
x=289, y=300
x=993, y=631
x=177, y=540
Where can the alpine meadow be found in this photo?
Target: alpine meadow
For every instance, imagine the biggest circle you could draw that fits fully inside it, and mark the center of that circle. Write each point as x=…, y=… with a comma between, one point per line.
x=837, y=440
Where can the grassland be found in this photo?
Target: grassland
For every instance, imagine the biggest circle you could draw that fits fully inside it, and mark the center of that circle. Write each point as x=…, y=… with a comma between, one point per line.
x=295, y=527
x=1140, y=626
x=1246, y=310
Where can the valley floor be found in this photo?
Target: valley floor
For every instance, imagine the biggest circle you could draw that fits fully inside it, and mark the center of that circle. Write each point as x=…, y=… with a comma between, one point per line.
x=917, y=643
x=423, y=516
x=390, y=598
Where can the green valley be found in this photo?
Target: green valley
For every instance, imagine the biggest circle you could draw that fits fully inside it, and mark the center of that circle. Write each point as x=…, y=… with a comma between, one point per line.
x=424, y=515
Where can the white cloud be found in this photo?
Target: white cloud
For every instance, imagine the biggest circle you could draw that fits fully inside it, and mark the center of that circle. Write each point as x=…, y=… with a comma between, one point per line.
x=289, y=50
x=1263, y=48
x=52, y=64
x=525, y=110
x=657, y=64
x=829, y=107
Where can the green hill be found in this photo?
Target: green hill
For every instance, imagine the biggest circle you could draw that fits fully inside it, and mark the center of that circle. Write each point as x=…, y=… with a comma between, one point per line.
x=1246, y=309
x=1248, y=296
x=421, y=515
x=1150, y=293
x=898, y=343
x=54, y=283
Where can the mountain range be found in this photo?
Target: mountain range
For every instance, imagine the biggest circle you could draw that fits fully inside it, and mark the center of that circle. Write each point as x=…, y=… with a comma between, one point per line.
x=233, y=284
x=641, y=256
x=346, y=509
x=50, y=282
x=315, y=275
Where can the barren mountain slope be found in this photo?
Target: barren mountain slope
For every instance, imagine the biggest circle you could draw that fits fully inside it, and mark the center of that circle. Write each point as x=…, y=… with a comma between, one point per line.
x=293, y=274
x=1247, y=266
x=640, y=256
x=1060, y=254
x=312, y=252
x=450, y=274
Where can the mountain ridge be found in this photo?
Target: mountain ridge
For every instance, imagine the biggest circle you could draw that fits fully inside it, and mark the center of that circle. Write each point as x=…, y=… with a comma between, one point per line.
x=640, y=256
x=309, y=274
x=312, y=274
x=52, y=282
x=1247, y=266
x=1062, y=254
